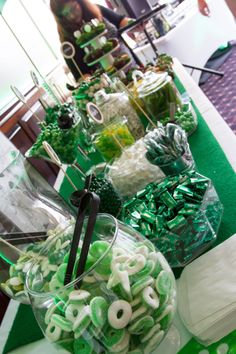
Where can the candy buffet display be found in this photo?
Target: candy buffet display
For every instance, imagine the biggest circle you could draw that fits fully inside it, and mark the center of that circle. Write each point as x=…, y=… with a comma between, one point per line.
x=101, y=50
x=110, y=201
x=125, y=301
x=181, y=216
x=86, y=91
x=168, y=148
x=16, y=261
x=131, y=172
x=63, y=141
x=112, y=138
x=89, y=31
x=97, y=53
x=118, y=104
x=158, y=95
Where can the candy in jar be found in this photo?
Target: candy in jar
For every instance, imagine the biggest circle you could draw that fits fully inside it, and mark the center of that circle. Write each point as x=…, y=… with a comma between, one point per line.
x=112, y=138
x=125, y=302
x=118, y=104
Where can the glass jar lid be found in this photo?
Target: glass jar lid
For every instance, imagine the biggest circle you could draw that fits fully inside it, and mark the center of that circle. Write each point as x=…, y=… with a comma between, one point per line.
x=152, y=83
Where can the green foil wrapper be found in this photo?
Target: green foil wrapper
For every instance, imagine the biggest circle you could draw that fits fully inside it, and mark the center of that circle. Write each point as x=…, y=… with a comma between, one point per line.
x=180, y=215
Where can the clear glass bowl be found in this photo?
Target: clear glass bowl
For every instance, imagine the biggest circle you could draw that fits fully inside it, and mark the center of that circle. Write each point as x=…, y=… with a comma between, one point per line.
x=181, y=226
x=126, y=298
x=159, y=96
x=27, y=215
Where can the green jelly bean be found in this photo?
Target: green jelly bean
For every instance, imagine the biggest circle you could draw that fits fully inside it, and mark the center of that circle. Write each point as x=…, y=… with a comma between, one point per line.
x=99, y=308
x=164, y=283
x=141, y=325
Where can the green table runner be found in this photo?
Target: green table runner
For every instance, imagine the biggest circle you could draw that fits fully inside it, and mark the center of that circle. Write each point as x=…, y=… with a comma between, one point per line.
x=211, y=162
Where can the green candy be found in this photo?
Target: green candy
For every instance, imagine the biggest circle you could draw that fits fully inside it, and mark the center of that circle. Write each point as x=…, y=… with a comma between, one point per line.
x=61, y=322
x=61, y=272
x=147, y=270
x=99, y=308
x=66, y=344
x=141, y=284
x=82, y=322
x=141, y=325
x=98, y=249
x=164, y=283
x=83, y=346
x=113, y=336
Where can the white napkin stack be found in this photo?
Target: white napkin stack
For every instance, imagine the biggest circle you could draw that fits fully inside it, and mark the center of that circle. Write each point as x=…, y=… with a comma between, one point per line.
x=207, y=293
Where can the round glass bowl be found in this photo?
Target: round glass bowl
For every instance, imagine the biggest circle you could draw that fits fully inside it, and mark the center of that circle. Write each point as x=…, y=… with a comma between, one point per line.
x=124, y=301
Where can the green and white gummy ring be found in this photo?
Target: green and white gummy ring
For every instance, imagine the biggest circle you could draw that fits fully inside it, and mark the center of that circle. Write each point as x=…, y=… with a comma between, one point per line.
x=82, y=321
x=147, y=270
x=150, y=298
x=72, y=311
x=113, y=336
x=168, y=310
x=141, y=284
x=53, y=332
x=138, y=313
x=135, y=264
x=83, y=346
x=164, y=282
x=142, y=250
x=61, y=322
x=51, y=310
x=153, y=342
x=99, y=308
x=141, y=325
x=155, y=329
x=119, y=314
x=79, y=296
x=120, y=347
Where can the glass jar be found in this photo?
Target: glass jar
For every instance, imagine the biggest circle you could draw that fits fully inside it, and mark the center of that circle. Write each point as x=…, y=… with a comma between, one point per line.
x=159, y=95
x=118, y=104
x=112, y=138
x=18, y=252
x=131, y=172
x=186, y=117
x=168, y=148
x=125, y=300
x=26, y=216
x=180, y=216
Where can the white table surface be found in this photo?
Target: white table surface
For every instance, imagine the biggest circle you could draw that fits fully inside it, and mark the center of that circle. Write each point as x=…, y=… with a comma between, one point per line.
x=227, y=140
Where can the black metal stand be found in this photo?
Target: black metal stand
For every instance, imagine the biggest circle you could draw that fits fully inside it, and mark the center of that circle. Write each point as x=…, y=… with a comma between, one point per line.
x=141, y=22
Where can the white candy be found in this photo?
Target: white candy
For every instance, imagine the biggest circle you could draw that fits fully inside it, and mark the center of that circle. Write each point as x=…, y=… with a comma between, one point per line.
x=72, y=312
x=150, y=297
x=15, y=281
x=79, y=295
x=53, y=332
x=134, y=264
x=117, y=320
x=132, y=171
